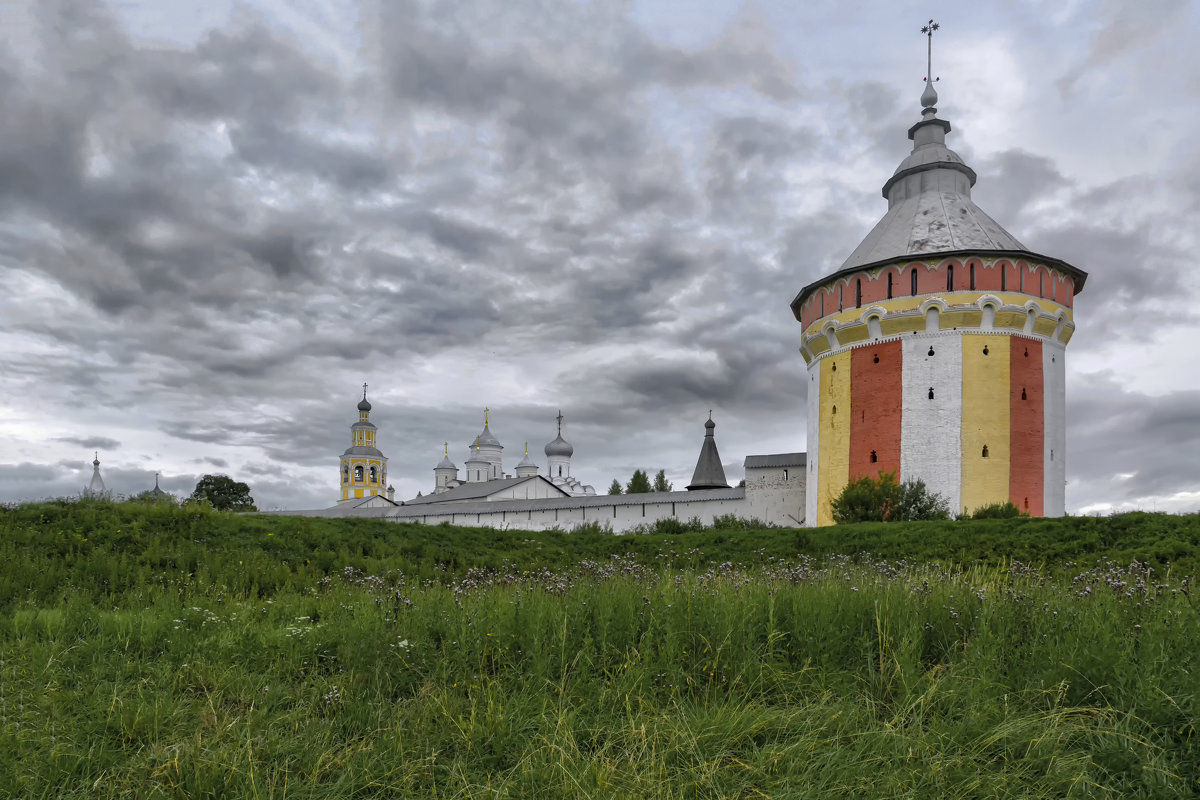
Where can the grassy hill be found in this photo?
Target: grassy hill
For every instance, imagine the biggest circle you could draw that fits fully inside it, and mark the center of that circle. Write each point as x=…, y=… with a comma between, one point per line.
x=154, y=651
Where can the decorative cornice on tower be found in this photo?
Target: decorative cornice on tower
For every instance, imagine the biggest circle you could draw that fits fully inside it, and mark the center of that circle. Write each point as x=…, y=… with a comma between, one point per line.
x=709, y=474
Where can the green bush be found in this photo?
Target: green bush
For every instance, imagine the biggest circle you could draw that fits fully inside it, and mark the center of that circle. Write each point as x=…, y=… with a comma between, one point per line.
x=882, y=499
x=1005, y=510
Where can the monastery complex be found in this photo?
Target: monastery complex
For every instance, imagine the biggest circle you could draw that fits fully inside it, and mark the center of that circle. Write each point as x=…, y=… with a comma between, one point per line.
x=936, y=351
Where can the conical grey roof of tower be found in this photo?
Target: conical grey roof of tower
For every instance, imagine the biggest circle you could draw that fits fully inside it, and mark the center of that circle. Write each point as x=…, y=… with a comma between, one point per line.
x=929, y=202
x=709, y=474
x=446, y=463
x=96, y=487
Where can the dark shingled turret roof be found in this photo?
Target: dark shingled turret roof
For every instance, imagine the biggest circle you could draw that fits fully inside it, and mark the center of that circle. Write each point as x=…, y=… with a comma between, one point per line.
x=709, y=473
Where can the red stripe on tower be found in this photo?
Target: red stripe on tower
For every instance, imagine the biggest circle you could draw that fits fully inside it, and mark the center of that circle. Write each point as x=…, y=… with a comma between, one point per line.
x=876, y=400
x=1027, y=432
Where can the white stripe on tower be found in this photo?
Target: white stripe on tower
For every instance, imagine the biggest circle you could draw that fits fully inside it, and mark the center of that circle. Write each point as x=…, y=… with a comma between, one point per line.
x=931, y=430
x=1054, y=474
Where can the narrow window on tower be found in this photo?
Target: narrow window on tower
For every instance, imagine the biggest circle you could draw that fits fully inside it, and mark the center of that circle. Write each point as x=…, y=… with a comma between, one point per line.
x=858, y=293
x=877, y=358
x=985, y=350
x=822, y=304
x=1022, y=286
x=835, y=409
x=930, y=392
x=358, y=474
x=1023, y=397
x=840, y=296
x=1041, y=284
x=1026, y=503
x=914, y=281
x=1003, y=278
x=972, y=277
x=930, y=349
x=889, y=286
x=950, y=278
x=985, y=452
x=785, y=474
x=374, y=474
x=874, y=457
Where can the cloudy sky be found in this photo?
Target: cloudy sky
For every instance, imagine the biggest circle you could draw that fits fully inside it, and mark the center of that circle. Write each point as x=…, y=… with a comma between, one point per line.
x=218, y=220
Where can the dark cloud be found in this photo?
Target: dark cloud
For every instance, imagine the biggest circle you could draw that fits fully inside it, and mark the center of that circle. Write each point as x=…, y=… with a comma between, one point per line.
x=1111, y=429
x=91, y=442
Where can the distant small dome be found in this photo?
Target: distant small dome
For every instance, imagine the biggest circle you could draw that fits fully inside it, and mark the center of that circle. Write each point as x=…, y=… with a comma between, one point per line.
x=364, y=405
x=560, y=447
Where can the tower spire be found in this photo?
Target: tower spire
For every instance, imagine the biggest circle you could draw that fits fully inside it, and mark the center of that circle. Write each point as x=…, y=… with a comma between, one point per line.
x=929, y=97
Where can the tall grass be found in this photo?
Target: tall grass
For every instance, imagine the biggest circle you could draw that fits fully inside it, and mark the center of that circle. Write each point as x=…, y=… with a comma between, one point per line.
x=139, y=668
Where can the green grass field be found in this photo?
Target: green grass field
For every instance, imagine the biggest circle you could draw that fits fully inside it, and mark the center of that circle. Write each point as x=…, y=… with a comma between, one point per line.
x=151, y=651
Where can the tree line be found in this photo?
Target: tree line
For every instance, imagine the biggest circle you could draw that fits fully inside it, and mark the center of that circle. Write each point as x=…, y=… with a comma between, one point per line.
x=640, y=483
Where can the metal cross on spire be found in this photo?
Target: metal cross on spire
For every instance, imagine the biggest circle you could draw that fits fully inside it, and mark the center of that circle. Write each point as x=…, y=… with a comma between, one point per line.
x=364, y=391
x=928, y=30
x=485, y=416
x=560, y=419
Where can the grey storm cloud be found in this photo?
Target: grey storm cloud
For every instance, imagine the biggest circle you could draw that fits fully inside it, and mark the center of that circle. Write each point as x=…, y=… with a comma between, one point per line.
x=91, y=442
x=210, y=238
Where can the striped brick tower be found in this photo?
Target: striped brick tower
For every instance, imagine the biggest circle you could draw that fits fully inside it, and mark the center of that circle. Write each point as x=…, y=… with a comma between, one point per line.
x=937, y=349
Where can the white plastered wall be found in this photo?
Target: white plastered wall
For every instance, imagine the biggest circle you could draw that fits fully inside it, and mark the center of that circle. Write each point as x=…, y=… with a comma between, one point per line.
x=931, y=430
x=777, y=494
x=1054, y=423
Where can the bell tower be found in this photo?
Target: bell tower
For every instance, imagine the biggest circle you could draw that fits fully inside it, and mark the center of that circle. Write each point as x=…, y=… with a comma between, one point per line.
x=363, y=466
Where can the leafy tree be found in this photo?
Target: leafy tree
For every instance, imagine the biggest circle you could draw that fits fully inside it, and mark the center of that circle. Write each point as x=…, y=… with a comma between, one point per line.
x=661, y=484
x=223, y=493
x=615, y=488
x=882, y=499
x=638, y=484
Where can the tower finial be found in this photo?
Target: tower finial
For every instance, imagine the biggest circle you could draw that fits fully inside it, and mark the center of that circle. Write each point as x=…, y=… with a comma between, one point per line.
x=446, y=449
x=364, y=391
x=929, y=96
x=485, y=416
x=560, y=419
x=527, y=448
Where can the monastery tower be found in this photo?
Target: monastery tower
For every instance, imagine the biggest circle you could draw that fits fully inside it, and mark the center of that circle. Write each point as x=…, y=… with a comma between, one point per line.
x=363, y=466
x=937, y=349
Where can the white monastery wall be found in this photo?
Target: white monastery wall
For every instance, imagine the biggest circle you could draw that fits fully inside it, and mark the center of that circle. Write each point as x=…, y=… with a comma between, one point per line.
x=777, y=494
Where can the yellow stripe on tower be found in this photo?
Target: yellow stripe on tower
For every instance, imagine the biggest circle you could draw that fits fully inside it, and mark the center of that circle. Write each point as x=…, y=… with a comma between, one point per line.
x=834, y=434
x=985, y=421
